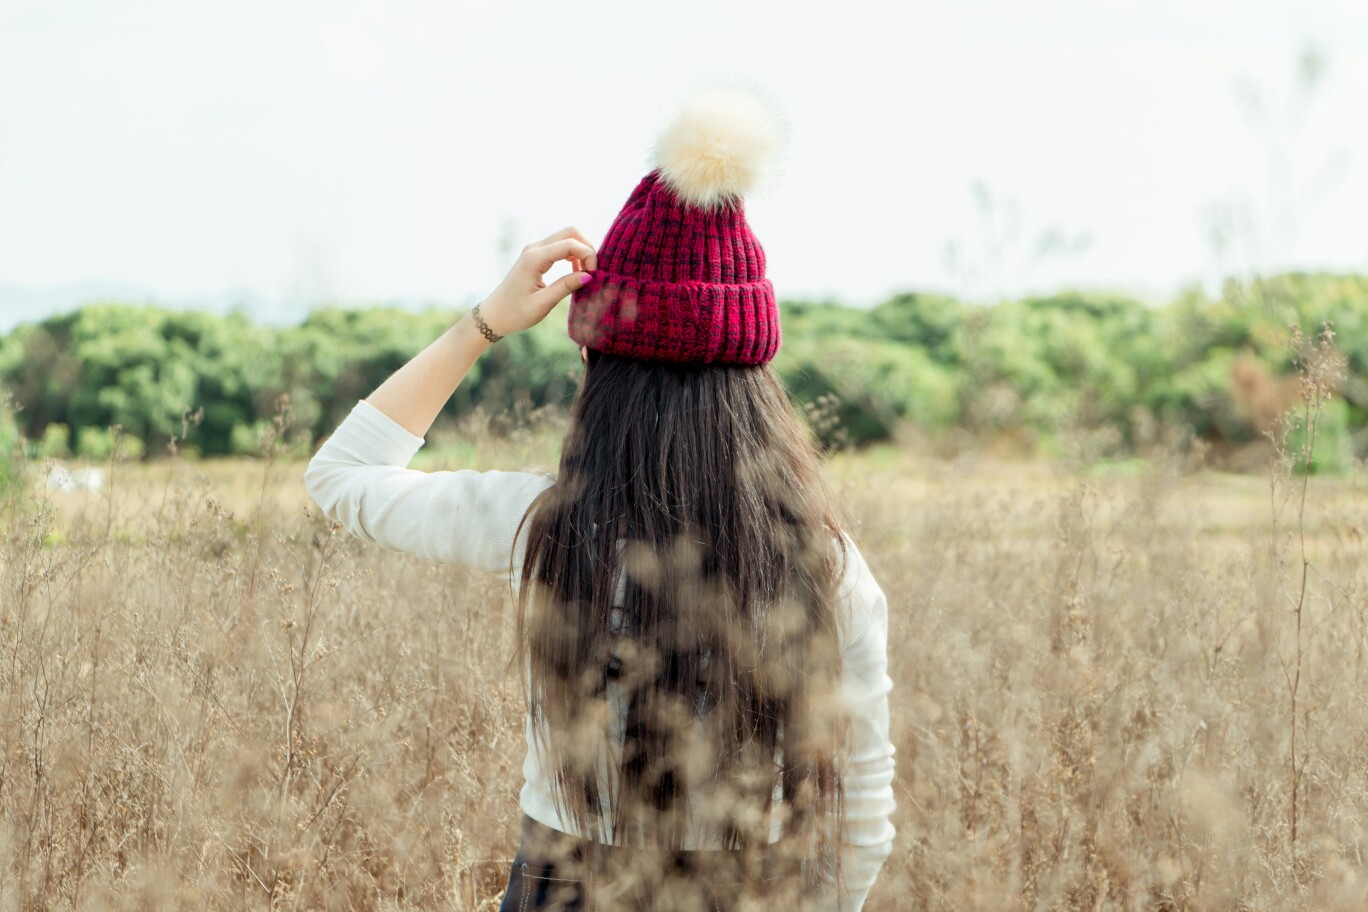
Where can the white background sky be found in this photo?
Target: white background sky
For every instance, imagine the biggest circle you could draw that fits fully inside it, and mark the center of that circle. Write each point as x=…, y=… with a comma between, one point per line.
x=281, y=154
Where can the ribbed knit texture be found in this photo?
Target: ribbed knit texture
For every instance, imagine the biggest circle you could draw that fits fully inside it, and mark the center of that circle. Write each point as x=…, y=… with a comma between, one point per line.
x=678, y=283
x=359, y=477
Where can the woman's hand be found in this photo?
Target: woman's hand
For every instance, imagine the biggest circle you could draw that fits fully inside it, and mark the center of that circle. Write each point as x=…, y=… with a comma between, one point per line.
x=416, y=392
x=523, y=300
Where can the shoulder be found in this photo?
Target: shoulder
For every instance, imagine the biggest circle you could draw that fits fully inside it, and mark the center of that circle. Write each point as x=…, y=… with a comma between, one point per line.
x=474, y=517
x=504, y=482
x=855, y=573
x=492, y=495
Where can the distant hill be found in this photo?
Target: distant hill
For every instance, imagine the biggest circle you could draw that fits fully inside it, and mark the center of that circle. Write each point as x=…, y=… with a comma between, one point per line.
x=1094, y=374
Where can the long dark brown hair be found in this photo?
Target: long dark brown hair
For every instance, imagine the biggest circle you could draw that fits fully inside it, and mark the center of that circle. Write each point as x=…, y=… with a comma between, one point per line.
x=693, y=497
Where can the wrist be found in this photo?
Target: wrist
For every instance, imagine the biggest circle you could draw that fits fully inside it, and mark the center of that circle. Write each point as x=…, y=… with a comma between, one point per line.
x=466, y=332
x=491, y=331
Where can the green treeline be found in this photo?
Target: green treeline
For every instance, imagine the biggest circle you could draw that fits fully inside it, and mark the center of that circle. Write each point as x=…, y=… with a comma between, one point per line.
x=1126, y=374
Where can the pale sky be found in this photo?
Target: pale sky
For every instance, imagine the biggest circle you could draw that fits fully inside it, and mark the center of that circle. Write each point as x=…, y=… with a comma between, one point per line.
x=283, y=154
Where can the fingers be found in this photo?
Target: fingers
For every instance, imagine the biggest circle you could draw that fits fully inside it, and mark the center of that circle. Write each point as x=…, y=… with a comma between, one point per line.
x=551, y=295
x=545, y=256
x=568, y=232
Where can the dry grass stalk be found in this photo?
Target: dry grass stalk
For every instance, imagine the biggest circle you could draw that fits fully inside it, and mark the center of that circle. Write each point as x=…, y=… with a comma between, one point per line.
x=211, y=699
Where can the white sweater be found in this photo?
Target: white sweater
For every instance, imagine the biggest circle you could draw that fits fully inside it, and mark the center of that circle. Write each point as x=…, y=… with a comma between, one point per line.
x=360, y=478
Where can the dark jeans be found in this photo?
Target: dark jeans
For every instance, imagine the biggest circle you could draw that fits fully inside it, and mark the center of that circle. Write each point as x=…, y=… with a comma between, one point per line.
x=557, y=872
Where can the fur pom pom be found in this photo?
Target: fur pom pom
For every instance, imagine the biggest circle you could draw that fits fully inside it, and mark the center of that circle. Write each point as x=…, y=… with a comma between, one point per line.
x=721, y=141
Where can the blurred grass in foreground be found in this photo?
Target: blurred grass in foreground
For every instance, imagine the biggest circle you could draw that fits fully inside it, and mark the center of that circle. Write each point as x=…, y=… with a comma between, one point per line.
x=213, y=700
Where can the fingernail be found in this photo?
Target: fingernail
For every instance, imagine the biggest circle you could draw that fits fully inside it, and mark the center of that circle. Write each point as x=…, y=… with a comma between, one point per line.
x=584, y=279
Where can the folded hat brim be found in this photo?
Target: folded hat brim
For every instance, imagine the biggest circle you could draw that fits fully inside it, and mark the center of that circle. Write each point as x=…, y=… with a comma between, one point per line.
x=682, y=322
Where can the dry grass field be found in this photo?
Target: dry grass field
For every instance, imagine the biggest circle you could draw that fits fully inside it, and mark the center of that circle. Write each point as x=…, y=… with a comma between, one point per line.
x=211, y=700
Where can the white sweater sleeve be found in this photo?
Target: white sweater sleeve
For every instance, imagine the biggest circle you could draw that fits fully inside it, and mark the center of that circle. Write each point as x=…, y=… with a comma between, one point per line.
x=359, y=477
x=869, y=774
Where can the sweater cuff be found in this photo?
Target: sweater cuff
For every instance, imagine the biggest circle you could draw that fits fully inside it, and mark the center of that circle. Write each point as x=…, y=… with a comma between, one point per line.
x=377, y=439
x=862, y=865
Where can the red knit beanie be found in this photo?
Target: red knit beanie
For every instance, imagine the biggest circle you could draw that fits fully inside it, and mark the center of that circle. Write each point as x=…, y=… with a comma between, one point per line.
x=680, y=276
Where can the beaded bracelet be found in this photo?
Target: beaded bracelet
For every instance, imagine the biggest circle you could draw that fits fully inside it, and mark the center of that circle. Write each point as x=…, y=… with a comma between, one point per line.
x=485, y=331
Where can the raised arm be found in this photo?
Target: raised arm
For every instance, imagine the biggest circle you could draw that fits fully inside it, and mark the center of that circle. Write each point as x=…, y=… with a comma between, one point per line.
x=360, y=476
x=416, y=392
